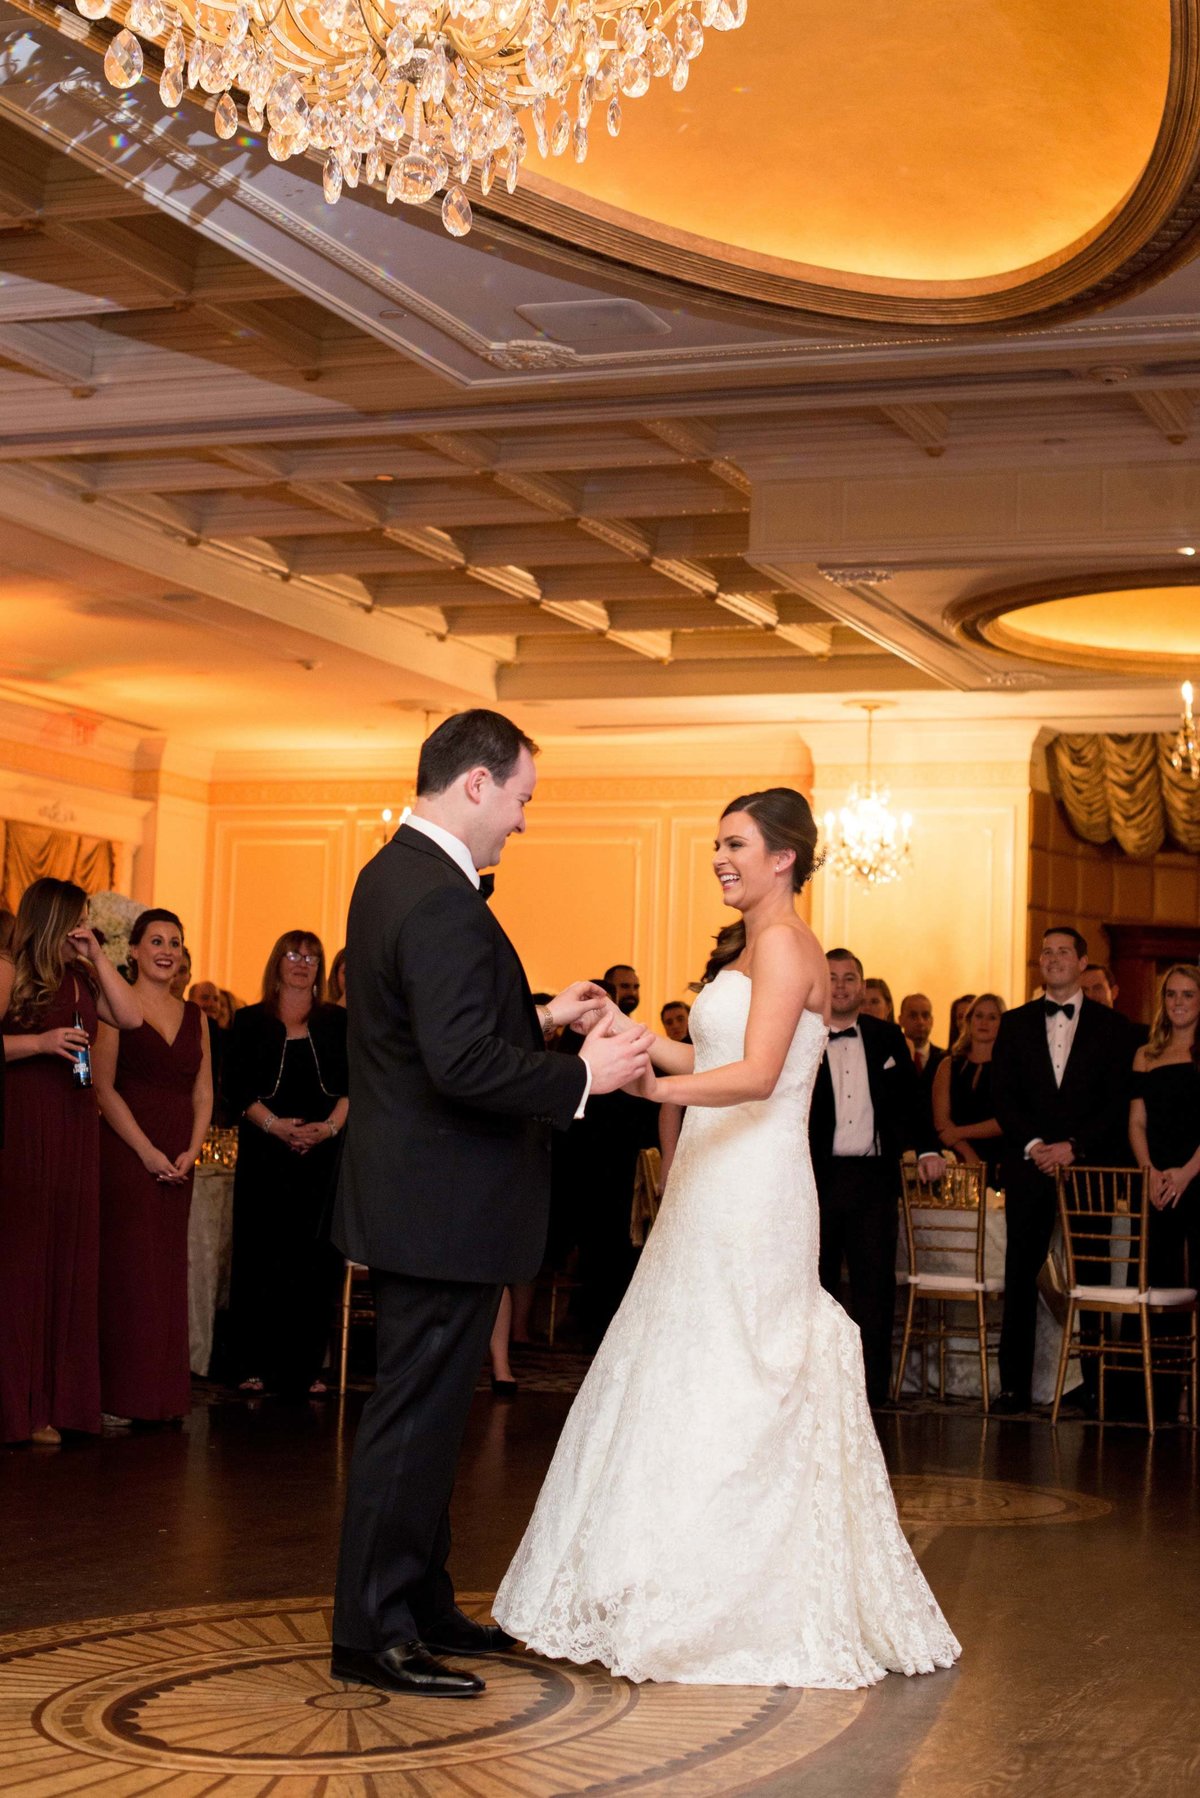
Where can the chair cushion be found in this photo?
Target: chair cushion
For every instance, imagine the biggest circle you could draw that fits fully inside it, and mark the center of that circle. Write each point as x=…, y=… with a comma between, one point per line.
x=1125, y=1295
x=953, y=1283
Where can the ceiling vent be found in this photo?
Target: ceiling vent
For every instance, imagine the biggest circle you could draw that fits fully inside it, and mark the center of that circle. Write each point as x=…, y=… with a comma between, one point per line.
x=590, y=321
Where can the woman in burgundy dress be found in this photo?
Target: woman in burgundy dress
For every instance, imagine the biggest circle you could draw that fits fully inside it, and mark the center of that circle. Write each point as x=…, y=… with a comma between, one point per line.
x=155, y=1091
x=49, y=1165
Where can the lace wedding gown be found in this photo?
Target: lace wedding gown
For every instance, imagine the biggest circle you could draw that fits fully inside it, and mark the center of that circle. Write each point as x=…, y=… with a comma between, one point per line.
x=718, y=1511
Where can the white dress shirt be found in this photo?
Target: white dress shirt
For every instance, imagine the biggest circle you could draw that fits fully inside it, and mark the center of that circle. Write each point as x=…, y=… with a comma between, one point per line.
x=1060, y=1036
x=461, y=856
x=453, y=846
x=854, y=1129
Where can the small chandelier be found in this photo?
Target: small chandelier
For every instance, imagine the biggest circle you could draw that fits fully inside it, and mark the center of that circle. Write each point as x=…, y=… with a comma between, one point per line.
x=865, y=839
x=412, y=96
x=1185, y=752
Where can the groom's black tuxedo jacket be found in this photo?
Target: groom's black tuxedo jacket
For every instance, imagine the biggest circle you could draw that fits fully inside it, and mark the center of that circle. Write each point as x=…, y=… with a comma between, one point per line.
x=446, y=1170
x=1090, y=1108
x=895, y=1099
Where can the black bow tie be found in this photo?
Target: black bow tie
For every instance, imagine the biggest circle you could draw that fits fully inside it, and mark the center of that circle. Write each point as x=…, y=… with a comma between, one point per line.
x=487, y=885
x=839, y=1036
x=1053, y=1008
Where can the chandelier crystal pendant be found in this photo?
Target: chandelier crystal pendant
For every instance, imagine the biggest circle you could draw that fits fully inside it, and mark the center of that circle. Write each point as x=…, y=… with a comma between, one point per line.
x=865, y=839
x=413, y=96
x=1185, y=752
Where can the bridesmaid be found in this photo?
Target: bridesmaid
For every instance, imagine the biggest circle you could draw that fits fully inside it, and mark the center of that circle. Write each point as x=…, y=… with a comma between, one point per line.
x=155, y=1091
x=964, y=1112
x=286, y=1083
x=1164, y=1127
x=49, y=1166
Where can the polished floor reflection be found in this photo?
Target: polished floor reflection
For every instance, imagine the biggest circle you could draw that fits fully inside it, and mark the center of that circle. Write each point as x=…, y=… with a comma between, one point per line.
x=164, y=1598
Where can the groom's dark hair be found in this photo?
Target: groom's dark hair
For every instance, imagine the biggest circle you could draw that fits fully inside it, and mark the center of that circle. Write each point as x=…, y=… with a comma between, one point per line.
x=474, y=739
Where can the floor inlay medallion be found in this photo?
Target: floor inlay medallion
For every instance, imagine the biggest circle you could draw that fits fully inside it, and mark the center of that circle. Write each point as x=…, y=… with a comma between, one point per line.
x=236, y=1699
x=941, y=1500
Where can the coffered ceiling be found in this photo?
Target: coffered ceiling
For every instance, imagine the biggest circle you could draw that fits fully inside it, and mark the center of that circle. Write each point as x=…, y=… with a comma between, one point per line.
x=241, y=430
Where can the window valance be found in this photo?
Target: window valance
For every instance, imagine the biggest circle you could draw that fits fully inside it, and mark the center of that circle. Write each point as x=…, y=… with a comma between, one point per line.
x=1124, y=789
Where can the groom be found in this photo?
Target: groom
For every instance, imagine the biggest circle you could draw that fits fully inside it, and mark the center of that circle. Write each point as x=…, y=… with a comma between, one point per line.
x=445, y=1182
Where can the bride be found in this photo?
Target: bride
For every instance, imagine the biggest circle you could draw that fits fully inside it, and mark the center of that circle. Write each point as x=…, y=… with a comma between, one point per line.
x=718, y=1511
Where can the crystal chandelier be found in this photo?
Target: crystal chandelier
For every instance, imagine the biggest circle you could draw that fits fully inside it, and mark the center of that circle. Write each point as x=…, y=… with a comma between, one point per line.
x=1185, y=752
x=865, y=839
x=413, y=95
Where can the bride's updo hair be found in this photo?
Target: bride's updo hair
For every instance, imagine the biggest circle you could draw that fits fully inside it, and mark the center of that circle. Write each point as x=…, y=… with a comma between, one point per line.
x=784, y=817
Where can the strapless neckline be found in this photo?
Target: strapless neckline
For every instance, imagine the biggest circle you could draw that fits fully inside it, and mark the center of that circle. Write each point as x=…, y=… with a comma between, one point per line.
x=742, y=975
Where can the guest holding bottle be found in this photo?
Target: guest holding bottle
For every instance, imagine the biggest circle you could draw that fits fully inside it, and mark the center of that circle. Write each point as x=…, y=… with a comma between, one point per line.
x=154, y=1086
x=55, y=984
x=286, y=1082
x=1164, y=1127
x=964, y=1113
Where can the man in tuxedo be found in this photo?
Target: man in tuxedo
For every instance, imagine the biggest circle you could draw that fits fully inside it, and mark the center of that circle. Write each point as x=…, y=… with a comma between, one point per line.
x=445, y=1182
x=865, y=1113
x=916, y=1021
x=1061, y=1071
x=1096, y=982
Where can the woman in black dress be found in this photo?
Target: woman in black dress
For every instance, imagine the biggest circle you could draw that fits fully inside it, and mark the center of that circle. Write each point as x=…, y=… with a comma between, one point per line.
x=286, y=1082
x=964, y=1113
x=1164, y=1127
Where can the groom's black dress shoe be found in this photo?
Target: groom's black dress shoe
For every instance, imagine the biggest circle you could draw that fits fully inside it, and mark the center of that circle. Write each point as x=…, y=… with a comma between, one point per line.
x=456, y=1634
x=406, y=1668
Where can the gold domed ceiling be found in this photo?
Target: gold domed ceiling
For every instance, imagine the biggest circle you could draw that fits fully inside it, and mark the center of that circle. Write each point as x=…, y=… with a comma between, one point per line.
x=927, y=160
x=1131, y=624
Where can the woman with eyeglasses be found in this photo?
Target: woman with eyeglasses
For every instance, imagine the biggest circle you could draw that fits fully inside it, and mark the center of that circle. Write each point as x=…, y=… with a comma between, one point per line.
x=286, y=1082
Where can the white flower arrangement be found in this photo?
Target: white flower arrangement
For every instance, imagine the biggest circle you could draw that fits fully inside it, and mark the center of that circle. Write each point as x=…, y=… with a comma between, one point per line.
x=113, y=914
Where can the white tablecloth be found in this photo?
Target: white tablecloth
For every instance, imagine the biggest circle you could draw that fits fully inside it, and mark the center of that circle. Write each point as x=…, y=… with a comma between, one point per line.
x=962, y=1371
x=210, y=1255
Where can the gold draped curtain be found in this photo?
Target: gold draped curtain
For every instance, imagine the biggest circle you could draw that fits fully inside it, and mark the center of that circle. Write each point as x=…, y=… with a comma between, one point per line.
x=1125, y=789
x=28, y=851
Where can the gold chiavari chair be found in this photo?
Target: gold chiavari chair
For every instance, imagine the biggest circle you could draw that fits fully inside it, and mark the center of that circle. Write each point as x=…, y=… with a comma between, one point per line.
x=357, y=1307
x=1091, y=1200
x=945, y=1227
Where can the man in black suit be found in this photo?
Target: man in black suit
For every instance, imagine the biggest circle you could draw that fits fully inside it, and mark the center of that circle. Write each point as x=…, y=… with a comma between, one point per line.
x=1097, y=983
x=865, y=1113
x=916, y=1020
x=445, y=1182
x=1061, y=1071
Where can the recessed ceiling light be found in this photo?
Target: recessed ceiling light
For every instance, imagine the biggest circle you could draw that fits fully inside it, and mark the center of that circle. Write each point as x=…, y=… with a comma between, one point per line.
x=1185, y=549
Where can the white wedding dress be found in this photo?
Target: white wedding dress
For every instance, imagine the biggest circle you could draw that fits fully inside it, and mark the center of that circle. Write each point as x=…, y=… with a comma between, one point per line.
x=718, y=1511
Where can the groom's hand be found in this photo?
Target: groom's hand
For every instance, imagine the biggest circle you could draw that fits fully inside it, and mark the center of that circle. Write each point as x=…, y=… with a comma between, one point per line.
x=617, y=1061
x=578, y=1005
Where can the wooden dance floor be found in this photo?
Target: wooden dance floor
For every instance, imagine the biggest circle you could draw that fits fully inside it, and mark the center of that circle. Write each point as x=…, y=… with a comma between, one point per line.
x=166, y=1618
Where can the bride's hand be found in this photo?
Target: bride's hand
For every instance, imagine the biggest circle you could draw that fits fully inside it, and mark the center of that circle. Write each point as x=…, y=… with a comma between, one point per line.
x=645, y=1088
x=605, y=1017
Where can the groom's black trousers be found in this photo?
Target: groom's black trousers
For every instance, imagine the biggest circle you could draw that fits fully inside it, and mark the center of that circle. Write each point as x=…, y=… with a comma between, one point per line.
x=392, y=1583
x=860, y=1223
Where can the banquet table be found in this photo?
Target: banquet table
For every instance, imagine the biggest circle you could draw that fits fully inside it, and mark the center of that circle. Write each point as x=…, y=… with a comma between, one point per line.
x=962, y=1369
x=210, y=1255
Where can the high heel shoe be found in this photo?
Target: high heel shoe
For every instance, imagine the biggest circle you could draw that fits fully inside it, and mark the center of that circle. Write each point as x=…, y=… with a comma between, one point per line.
x=46, y=1437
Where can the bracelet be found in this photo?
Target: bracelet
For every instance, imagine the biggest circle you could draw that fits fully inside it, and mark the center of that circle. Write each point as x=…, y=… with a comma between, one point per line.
x=271, y=1119
x=331, y=1127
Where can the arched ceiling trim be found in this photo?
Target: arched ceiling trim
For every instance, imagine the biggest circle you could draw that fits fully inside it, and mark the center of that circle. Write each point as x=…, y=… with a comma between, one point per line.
x=1132, y=621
